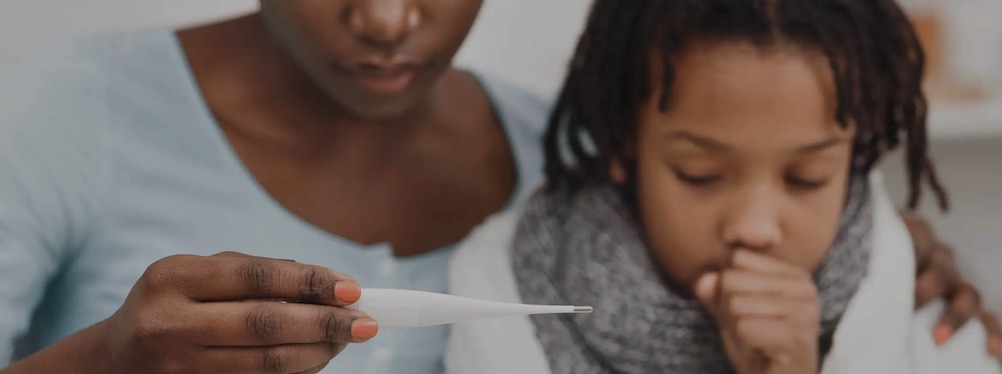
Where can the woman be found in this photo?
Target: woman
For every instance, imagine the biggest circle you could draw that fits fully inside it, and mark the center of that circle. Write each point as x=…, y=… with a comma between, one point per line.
x=335, y=133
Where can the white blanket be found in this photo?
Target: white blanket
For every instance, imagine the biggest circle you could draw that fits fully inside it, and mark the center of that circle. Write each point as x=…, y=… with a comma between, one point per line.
x=880, y=333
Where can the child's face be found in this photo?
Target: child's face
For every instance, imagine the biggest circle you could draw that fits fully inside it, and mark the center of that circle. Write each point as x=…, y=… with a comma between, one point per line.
x=748, y=155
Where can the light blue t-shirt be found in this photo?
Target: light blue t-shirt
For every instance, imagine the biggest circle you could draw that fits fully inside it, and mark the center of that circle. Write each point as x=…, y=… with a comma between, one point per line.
x=111, y=160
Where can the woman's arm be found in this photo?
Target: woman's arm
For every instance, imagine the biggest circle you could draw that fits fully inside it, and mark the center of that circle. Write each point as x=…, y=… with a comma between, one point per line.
x=186, y=314
x=54, y=164
x=76, y=354
x=212, y=314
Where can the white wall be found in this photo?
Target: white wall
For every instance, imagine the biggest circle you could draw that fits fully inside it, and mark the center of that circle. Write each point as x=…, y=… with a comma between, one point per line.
x=528, y=43
x=975, y=40
x=24, y=23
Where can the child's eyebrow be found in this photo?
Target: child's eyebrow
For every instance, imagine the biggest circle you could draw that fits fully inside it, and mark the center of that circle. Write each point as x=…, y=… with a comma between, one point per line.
x=822, y=145
x=700, y=141
x=715, y=145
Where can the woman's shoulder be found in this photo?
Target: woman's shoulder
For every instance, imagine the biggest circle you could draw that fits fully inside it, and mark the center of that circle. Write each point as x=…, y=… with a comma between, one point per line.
x=55, y=118
x=77, y=76
x=70, y=96
x=516, y=105
x=524, y=115
x=88, y=55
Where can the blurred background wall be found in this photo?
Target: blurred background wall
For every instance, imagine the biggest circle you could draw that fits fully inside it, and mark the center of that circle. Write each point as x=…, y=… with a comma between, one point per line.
x=528, y=42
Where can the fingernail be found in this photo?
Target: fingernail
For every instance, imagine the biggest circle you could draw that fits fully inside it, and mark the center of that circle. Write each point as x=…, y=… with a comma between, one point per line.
x=941, y=334
x=347, y=292
x=995, y=347
x=706, y=284
x=364, y=328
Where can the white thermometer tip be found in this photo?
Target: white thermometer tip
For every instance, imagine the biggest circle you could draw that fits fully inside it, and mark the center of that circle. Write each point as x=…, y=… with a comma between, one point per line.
x=582, y=309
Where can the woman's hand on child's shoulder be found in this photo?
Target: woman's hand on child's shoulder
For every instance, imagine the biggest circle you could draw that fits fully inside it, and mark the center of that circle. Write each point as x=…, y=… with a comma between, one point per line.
x=938, y=277
x=767, y=311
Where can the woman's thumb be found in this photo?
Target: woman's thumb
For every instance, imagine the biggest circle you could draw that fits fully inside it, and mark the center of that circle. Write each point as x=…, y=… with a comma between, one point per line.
x=706, y=291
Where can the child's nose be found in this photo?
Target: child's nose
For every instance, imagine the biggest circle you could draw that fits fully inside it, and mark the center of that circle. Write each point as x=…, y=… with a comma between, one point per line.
x=753, y=224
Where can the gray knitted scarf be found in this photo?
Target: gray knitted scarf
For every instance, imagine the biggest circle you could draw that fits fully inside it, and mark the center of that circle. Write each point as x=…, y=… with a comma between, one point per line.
x=585, y=248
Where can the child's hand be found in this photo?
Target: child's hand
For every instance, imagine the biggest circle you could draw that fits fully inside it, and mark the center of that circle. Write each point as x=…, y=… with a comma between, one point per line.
x=767, y=312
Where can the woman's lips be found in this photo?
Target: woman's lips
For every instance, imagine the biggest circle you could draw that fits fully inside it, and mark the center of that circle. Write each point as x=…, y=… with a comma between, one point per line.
x=386, y=78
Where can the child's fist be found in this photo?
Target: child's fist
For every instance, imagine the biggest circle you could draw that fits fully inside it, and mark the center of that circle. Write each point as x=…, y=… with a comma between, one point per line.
x=767, y=312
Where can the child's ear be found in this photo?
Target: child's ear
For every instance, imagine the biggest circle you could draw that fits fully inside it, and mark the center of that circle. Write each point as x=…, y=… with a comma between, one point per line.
x=617, y=171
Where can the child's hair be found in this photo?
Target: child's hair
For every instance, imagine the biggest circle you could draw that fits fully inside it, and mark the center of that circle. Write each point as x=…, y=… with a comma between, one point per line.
x=871, y=47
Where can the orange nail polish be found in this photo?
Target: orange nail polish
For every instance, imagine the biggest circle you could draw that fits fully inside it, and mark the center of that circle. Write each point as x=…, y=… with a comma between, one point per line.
x=364, y=328
x=347, y=292
x=941, y=334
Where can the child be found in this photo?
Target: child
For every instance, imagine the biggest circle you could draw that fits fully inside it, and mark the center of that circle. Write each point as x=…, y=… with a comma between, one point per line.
x=712, y=193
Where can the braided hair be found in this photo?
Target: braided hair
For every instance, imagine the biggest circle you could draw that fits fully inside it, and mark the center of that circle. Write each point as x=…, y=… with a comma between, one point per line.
x=871, y=47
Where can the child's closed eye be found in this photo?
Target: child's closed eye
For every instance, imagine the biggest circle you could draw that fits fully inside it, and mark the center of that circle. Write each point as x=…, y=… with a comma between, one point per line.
x=812, y=175
x=696, y=179
x=806, y=183
x=704, y=179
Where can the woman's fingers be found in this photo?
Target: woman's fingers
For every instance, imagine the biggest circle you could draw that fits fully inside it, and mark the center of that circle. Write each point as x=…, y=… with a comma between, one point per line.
x=991, y=323
x=938, y=279
x=230, y=277
x=929, y=286
x=963, y=304
x=269, y=323
x=238, y=254
x=281, y=359
x=316, y=369
x=923, y=239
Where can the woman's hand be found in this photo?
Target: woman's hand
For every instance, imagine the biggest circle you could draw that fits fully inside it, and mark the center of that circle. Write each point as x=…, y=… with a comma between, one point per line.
x=233, y=313
x=767, y=312
x=938, y=277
